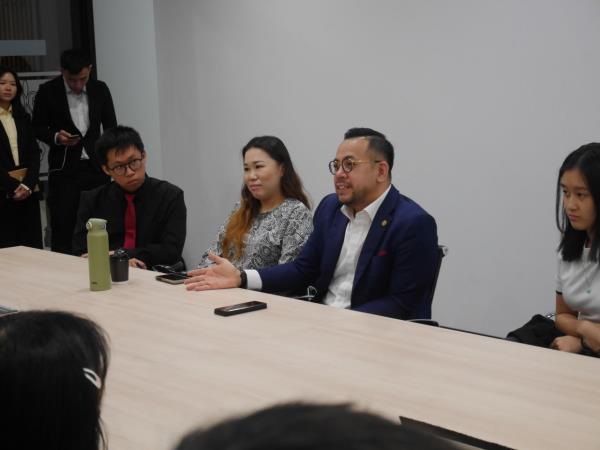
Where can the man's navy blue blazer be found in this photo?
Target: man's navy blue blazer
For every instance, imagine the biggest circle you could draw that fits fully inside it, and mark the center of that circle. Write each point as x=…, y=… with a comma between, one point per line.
x=395, y=268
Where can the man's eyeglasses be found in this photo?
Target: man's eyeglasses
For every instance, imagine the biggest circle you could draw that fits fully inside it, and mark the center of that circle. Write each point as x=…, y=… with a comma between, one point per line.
x=347, y=164
x=121, y=169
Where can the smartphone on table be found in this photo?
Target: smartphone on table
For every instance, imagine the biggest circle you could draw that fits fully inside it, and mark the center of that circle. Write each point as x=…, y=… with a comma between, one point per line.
x=172, y=278
x=240, y=308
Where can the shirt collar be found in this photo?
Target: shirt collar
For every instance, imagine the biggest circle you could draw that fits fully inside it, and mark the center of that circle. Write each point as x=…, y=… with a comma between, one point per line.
x=370, y=210
x=139, y=193
x=70, y=91
x=4, y=111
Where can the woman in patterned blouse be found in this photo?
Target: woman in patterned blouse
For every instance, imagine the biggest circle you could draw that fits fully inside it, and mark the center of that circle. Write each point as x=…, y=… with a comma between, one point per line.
x=272, y=220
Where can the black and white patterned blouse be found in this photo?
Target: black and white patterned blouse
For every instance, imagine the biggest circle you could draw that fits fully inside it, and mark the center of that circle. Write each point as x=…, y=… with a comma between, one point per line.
x=275, y=237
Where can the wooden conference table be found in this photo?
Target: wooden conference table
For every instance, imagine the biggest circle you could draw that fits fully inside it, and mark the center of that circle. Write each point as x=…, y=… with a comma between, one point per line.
x=176, y=365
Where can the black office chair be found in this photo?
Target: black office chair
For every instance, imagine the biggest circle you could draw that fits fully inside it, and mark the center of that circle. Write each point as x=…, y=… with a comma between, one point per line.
x=442, y=252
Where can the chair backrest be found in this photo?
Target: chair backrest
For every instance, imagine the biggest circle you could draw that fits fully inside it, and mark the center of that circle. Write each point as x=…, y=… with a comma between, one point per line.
x=442, y=251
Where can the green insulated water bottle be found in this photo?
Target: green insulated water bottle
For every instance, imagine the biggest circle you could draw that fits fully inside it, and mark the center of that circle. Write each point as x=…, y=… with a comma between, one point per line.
x=97, y=244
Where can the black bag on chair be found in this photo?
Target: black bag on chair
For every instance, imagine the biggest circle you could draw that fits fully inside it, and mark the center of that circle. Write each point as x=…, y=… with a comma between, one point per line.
x=539, y=331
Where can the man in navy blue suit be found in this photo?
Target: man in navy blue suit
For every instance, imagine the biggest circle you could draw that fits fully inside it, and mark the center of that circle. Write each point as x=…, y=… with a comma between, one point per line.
x=372, y=249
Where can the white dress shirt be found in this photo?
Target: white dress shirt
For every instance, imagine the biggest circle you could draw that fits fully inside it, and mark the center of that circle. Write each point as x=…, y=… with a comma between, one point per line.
x=80, y=112
x=339, y=291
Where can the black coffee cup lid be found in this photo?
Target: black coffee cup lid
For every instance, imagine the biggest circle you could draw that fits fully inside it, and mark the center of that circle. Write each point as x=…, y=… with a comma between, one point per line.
x=120, y=254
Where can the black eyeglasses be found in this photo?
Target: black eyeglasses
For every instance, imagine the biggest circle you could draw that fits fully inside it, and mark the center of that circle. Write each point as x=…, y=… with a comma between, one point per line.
x=347, y=164
x=121, y=169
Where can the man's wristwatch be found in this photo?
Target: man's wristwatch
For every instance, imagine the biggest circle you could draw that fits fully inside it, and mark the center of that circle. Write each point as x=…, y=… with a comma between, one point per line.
x=244, y=279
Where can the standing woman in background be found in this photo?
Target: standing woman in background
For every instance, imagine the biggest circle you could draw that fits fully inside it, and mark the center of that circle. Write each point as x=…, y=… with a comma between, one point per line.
x=20, y=222
x=272, y=221
x=578, y=277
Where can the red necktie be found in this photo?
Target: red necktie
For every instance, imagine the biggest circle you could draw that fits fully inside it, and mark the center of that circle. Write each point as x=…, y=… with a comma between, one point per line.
x=129, y=222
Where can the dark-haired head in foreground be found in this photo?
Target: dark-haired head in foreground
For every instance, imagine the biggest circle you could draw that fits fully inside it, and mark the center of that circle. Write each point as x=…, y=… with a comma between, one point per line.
x=305, y=426
x=52, y=371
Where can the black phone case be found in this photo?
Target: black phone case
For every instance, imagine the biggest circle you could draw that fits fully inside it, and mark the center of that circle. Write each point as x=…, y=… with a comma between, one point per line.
x=162, y=278
x=224, y=312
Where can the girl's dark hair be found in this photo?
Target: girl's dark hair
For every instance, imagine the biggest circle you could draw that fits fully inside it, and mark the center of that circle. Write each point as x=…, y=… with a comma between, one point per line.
x=49, y=400
x=291, y=187
x=17, y=106
x=586, y=159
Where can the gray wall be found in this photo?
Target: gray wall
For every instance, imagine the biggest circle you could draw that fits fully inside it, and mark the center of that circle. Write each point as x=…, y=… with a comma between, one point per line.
x=126, y=59
x=482, y=99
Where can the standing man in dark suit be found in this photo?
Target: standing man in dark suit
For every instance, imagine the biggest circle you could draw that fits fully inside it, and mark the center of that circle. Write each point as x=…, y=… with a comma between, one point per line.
x=372, y=249
x=67, y=115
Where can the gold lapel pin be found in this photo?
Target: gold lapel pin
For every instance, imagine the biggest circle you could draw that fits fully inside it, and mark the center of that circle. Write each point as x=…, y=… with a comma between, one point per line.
x=384, y=222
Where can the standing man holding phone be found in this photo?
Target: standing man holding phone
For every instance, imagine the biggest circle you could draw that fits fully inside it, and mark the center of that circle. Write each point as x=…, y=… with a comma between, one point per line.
x=67, y=115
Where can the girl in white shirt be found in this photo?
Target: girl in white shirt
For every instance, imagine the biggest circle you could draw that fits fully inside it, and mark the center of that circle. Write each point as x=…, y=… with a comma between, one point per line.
x=578, y=275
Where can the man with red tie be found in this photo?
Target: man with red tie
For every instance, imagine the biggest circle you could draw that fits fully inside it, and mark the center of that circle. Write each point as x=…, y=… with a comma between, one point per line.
x=145, y=216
